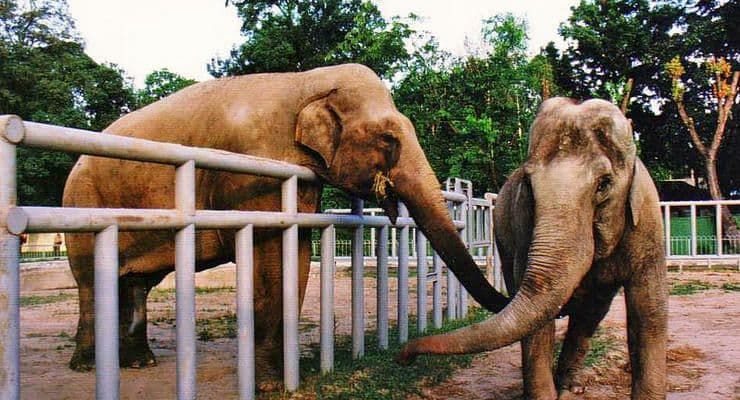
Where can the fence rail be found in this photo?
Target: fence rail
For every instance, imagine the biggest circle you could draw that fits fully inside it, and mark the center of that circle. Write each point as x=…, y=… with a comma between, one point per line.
x=472, y=217
x=694, y=245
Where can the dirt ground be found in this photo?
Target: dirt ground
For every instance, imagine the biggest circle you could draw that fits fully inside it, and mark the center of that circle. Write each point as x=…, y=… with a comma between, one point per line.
x=703, y=359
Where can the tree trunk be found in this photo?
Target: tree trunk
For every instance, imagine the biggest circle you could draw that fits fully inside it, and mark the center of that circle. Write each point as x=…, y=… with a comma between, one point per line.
x=729, y=227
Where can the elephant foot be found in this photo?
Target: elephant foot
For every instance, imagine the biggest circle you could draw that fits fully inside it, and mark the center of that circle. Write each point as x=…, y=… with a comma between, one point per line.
x=573, y=392
x=269, y=378
x=83, y=359
x=270, y=385
x=137, y=357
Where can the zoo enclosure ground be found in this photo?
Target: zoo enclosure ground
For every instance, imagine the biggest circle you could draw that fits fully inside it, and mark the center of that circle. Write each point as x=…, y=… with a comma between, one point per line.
x=704, y=358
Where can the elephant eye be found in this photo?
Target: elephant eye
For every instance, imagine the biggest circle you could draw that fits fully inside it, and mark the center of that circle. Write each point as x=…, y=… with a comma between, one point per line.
x=605, y=182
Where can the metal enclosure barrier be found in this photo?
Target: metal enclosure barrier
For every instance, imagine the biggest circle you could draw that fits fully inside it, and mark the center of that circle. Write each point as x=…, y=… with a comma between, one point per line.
x=185, y=219
x=693, y=246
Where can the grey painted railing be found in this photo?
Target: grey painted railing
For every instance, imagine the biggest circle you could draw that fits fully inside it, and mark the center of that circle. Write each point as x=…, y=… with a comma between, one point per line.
x=185, y=219
x=696, y=247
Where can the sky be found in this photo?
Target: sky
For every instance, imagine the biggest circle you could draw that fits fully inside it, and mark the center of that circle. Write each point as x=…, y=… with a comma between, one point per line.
x=141, y=36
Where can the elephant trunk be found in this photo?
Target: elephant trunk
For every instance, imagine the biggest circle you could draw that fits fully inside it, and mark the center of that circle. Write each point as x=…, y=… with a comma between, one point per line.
x=416, y=185
x=559, y=256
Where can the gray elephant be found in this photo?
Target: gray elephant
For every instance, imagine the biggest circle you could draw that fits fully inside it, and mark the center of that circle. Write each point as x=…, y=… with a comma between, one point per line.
x=338, y=121
x=576, y=222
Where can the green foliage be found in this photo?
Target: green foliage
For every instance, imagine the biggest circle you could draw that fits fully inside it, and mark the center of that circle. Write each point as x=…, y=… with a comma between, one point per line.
x=292, y=35
x=471, y=114
x=731, y=287
x=377, y=375
x=45, y=76
x=610, y=41
x=160, y=84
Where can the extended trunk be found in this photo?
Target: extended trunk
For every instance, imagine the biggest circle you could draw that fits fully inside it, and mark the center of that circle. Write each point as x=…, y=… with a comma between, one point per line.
x=559, y=257
x=417, y=186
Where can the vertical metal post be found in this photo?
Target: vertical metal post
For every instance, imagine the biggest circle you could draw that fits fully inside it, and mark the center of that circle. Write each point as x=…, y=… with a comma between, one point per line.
x=382, y=286
x=693, y=230
x=466, y=233
x=11, y=132
x=394, y=242
x=421, y=282
x=358, y=291
x=451, y=282
x=718, y=227
x=245, y=311
x=327, y=299
x=373, y=238
x=185, y=283
x=667, y=227
x=403, y=278
x=437, y=291
x=106, y=314
x=291, y=351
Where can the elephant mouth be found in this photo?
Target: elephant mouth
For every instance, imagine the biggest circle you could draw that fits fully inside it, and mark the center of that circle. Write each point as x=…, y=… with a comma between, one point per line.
x=385, y=195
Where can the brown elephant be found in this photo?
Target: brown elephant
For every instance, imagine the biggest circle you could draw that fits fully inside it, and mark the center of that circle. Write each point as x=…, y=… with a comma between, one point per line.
x=575, y=223
x=338, y=121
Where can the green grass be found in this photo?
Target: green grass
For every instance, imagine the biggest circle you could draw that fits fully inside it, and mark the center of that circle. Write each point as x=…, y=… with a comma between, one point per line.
x=159, y=295
x=689, y=288
x=377, y=375
x=600, y=346
x=34, y=300
x=731, y=287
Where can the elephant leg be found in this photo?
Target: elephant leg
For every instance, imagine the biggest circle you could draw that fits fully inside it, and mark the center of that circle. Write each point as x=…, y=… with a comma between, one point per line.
x=269, y=304
x=647, y=321
x=81, y=264
x=83, y=358
x=134, y=346
x=537, y=350
x=582, y=324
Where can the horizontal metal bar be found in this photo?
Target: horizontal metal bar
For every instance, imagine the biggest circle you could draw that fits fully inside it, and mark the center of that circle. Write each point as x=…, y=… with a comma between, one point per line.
x=700, y=203
x=52, y=137
x=452, y=196
x=704, y=257
x=480, y=202
x=68, y=219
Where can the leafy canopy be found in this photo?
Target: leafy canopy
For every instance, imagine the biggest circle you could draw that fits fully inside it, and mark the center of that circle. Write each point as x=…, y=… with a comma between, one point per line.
x=45, y=76
x=293, y=35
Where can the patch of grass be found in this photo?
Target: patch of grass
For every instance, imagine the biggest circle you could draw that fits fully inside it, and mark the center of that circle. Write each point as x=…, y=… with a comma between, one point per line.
x=600, y=346
x=689, y=288
x=731, y=287
x=377, y=375
x=216, y=328
x=34, y=300
x=158, y=295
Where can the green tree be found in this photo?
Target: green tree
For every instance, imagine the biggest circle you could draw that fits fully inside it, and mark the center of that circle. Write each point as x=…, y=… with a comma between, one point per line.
x=471, y=114
x=45, y=76
x=159, y=84
x=293, y=35
x=610, y=41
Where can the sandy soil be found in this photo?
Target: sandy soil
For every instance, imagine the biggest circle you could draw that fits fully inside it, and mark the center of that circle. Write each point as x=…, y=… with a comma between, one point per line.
x=704, y=358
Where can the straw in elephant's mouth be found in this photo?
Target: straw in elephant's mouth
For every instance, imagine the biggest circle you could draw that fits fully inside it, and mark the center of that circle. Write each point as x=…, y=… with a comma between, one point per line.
x=380, y=183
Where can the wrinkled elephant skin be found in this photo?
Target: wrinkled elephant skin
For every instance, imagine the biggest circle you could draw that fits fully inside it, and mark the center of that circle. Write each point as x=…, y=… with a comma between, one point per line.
x=338, y=121
x=576, y=222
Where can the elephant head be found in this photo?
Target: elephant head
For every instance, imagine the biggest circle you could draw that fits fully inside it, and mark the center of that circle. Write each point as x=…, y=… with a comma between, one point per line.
x=579, y=189
x=364, y=145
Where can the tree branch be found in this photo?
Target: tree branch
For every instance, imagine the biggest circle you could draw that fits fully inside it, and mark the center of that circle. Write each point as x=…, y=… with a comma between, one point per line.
x=723, y=112
x=626, y=95
x=689, y=122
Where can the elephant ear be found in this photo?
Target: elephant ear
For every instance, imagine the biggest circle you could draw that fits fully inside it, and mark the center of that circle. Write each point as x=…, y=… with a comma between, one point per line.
x=638, y=190
x=318, y=128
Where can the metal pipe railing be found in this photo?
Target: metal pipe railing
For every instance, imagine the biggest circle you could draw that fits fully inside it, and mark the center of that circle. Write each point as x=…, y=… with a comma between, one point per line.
x=695, y=245
x=185, y=219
